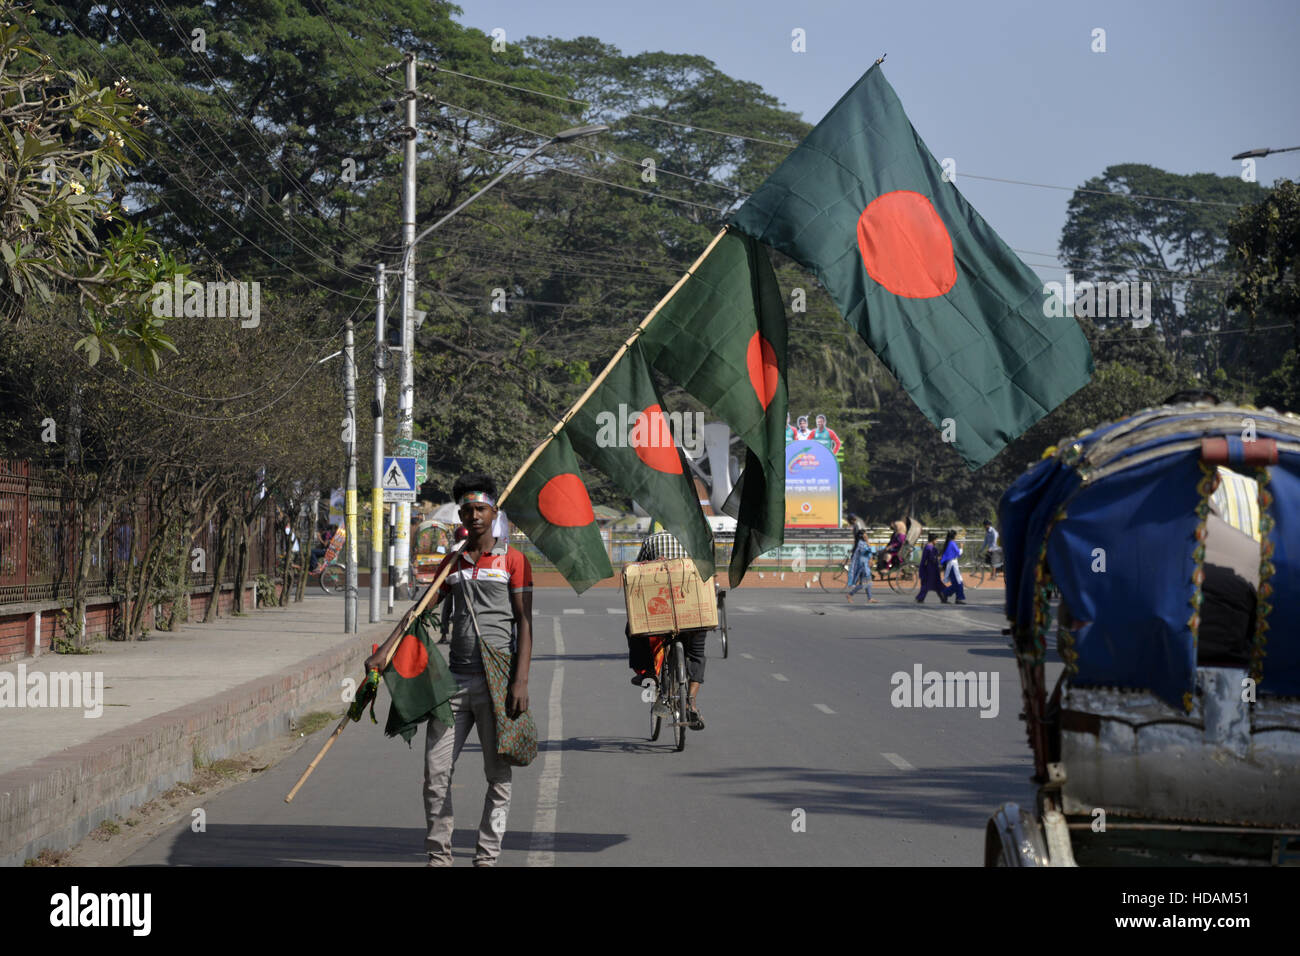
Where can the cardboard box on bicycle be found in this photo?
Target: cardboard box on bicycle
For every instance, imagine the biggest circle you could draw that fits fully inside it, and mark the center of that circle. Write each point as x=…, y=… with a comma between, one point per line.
x=667, y=596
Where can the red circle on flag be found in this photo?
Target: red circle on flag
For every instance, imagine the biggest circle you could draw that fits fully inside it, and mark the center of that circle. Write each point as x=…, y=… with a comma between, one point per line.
x=760, y=357
x=905, y=246
x=411, y=658
x=563, y=502
x=659, y=451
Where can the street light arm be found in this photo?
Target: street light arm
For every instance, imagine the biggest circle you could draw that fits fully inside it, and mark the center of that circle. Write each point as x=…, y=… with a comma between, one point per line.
x=578, y=132
x=406, y=257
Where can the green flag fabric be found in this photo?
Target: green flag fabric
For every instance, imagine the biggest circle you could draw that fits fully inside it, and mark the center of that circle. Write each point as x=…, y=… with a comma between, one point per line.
x=622, y=431
x=419, y=682
x=722, y=337
x=948, y=307
x=550, y=504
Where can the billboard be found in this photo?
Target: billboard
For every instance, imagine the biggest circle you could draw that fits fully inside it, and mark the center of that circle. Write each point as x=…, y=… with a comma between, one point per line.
x=812, y=485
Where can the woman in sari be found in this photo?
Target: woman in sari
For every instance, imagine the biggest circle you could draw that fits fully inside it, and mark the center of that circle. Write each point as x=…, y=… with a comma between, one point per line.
x=890, y=557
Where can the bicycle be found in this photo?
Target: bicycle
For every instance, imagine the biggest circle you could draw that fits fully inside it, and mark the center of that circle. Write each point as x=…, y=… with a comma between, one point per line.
x=835, y=576
x=985, y=569
x=673, y=697
x=906, y=575
x=332, y=576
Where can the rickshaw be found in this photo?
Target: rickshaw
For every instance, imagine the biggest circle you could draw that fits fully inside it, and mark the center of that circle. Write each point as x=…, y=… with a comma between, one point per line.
x=432, y=540
x=1173, y=734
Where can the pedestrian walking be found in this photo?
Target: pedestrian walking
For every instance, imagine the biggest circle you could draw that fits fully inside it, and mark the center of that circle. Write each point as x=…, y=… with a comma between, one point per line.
x=929, y=571
x=860, y=563
x=492, y=584
x=951, y=572
x=990, y=543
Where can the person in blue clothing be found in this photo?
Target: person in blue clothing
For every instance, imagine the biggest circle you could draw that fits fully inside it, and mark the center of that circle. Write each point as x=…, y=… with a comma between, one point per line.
x=860, y=562
x=929, y=571
x=948, y=562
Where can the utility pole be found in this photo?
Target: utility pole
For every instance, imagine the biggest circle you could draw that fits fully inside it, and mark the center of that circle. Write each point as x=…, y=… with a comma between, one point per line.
x=350, y=439
x=406, y=407
x=377, y=458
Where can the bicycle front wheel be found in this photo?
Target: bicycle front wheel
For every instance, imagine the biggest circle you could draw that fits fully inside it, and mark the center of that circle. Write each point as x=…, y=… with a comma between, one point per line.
x=332, y=579
x=832, y=577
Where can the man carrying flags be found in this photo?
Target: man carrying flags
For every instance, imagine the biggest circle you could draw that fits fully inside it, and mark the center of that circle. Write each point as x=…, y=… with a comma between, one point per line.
x=490, y=586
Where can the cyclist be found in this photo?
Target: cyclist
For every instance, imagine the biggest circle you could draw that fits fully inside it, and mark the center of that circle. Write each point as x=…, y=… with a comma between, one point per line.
x=659, y=545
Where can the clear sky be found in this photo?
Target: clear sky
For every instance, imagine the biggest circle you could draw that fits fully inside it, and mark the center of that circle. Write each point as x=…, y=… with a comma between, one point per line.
x=1006, y=88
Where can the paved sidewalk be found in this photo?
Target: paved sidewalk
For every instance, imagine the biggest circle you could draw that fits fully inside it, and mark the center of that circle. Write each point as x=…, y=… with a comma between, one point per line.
x=216, y=687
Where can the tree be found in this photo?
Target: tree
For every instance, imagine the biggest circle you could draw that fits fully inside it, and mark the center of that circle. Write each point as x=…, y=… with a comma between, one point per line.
x=65, y=152
x=1135, y=223
x=1265, y=243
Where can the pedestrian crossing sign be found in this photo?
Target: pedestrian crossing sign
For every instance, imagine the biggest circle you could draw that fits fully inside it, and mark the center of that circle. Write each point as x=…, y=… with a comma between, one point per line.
x=398, y=481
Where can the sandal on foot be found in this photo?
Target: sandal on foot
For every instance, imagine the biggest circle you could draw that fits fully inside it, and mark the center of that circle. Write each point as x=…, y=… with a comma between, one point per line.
x=693, y=717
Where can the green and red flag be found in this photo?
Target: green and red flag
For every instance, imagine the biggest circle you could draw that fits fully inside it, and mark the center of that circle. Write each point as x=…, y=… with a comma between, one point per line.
x=722, y=337
x=948, y=307
x=550, y=504
x=622, y=430
x=419, y=681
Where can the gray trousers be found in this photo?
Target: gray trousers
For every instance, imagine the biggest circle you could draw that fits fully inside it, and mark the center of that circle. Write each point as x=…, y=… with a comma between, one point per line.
x=442, y=746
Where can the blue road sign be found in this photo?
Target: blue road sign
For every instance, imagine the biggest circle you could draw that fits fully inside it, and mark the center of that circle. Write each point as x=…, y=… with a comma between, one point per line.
x=398, y=481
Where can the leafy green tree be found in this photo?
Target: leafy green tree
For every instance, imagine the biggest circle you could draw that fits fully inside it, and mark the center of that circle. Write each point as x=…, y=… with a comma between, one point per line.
x=1141, y=224
x=65, y=155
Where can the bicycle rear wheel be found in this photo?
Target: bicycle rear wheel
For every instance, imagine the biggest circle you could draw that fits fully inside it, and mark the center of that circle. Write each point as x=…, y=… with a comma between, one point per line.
x=722, y=619
x=680, y=694
x=333, y=578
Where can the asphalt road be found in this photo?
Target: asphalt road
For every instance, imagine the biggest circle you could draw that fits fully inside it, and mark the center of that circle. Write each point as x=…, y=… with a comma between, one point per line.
x=805, y=759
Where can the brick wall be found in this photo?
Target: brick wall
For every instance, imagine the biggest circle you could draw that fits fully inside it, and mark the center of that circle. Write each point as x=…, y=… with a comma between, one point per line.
x=18, y=630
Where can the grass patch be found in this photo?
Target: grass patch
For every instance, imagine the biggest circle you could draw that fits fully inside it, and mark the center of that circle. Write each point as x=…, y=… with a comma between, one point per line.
x=310, y=723
x=226, y=768
x=46, y=858
x=106, y=830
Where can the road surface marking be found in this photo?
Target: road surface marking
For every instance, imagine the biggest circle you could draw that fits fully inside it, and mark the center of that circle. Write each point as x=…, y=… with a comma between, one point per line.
x=780, y=677
x=747, y=656
x=800, y=608
x=575, y=610
x=541, y=848
x=898, y=761
x=742, y=610
x=823, y=708
x=615, y=610
x=961, y=617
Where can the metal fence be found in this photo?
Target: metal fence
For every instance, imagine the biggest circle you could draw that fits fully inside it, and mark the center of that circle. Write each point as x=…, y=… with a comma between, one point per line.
x=40, y=529
x=803, y=550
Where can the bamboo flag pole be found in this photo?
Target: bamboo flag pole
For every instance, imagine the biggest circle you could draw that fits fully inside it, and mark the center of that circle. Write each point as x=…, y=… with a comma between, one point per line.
x=416, y=611
x=622, y=349
x=402, y=625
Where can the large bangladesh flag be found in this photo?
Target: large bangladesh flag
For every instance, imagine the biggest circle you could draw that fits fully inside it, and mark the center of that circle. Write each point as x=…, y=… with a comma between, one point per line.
x=952, y=311
x=621, y=430
x=419, y=682
x=550, y=504
x=722, y=337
